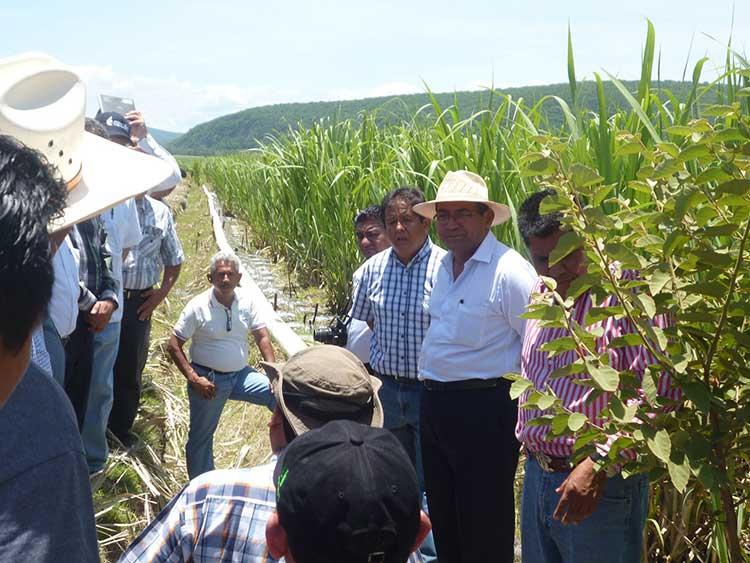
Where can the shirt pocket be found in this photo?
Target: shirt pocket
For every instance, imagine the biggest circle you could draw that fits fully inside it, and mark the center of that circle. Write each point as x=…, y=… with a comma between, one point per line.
x=470, y=324
x=151, y=241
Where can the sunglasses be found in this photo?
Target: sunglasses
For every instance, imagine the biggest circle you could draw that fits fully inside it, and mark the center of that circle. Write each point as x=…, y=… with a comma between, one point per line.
x=229, y=319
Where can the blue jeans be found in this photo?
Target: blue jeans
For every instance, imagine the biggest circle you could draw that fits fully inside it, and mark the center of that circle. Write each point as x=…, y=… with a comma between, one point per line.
x=613, y=533
x=94, y=430
x=243, y=385
x=401, y=404
x=55, y=349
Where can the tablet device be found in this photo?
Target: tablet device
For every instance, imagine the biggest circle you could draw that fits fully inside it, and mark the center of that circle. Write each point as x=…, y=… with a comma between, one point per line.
x=116, y=104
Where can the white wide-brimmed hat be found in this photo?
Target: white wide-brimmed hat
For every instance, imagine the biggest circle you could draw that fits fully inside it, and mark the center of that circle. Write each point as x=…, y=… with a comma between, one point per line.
x=43, y=105
x=463, y=185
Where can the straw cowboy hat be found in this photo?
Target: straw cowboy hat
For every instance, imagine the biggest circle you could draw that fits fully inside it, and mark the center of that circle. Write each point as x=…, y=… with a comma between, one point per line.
x=463, y=186
x=42, y=104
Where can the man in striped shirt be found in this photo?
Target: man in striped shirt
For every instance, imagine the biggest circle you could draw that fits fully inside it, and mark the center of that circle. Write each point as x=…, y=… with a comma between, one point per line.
x=158, y=256
x=574, y=513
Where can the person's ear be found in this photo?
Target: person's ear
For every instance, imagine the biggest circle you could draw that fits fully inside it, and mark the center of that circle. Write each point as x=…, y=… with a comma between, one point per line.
x=276, y=541
x=208, y=277
x=239, y=277
x=424, y=528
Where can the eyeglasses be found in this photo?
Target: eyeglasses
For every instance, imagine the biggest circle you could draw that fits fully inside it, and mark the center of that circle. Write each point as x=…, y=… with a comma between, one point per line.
x=459, y=216
x=229, y=319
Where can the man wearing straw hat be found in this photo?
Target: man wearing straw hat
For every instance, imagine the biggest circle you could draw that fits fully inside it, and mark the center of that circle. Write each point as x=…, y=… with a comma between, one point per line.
x=467, y=418
x=42, y=106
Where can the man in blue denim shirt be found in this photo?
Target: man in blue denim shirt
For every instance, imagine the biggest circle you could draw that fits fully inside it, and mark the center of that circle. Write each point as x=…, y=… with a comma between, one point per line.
x=218, y=321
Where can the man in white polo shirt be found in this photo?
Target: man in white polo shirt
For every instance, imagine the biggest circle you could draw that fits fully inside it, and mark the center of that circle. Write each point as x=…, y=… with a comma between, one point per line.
x=218, y=321
x=467, y=419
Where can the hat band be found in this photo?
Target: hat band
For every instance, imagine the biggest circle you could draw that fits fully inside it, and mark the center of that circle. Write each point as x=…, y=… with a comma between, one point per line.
x=75, y=180
x=326, y=410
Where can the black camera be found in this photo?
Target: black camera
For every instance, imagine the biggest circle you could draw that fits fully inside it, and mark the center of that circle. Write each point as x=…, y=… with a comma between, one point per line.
x=335, y=333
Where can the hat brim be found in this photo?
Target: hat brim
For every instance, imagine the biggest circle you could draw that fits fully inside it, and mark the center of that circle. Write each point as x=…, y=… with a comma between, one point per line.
x=110, y=174
x=427, y=209
x=302, y=423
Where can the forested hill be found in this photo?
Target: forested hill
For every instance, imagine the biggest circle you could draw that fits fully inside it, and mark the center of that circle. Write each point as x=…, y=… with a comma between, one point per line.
x=243, y=129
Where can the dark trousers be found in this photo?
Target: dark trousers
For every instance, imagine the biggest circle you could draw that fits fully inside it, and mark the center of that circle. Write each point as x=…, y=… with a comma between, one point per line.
x=470, y=454
x=131, y=359
x=79, y=355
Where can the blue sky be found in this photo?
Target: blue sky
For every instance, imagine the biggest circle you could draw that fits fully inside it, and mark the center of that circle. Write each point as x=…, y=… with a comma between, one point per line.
x=185, y=62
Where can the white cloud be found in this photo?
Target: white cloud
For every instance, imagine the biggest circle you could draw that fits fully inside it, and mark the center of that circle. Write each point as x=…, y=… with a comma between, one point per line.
x=174, y=104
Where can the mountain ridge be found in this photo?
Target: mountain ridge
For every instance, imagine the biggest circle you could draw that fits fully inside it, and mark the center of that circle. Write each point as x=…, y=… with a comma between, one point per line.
x=243, y=130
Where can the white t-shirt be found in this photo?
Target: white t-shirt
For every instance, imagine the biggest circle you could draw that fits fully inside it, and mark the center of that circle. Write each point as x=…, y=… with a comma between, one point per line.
x=123, y=231
x=359, y=334
x=204, y=320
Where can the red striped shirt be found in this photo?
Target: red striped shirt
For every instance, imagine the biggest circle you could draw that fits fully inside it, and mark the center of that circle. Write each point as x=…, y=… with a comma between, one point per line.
x=536, y=366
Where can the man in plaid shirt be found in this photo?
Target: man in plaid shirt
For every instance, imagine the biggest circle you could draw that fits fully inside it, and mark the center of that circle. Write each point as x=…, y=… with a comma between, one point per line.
x=393, y=296
x=222, y=514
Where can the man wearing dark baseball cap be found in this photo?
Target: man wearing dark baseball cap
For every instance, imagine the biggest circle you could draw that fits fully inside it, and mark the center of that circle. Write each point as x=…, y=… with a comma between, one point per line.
x=222, y=514
x=346, y=493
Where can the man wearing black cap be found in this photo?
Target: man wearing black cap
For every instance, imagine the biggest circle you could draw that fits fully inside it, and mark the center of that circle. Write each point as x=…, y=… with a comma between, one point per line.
x=223, y=513
x=158, y=256
x=346, y=493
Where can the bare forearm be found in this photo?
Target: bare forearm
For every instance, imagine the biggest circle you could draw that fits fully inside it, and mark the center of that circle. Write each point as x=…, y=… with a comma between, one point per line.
x=169, y=278
x=176, y=352
x=263, y=341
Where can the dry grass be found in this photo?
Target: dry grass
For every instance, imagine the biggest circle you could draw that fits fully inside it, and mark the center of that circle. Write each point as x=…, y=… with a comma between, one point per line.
x=136, y=484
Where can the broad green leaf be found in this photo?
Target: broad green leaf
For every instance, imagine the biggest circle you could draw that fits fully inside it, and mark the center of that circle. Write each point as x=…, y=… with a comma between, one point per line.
x=596, y=314
x=584, y=176
x=697, y=392
x=647, y=302
x=518, y=387
x=606, y=377
x=545, y=402
x=559, y=424
x=736, y=187
x=576, y=421
x=540, y=167
x=553, y=204
x=681, y=130
x=657, y=281
x=715, y=174
x=563, y=344
x=679, y=473
x=569, y=242
x=648, y=385
x=630, y=339
x=571, y=369
x=660, y=445
x=719, y=111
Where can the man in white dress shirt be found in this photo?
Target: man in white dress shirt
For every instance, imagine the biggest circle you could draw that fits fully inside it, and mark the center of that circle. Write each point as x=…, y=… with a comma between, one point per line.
x=467, y=418
x=371, y=239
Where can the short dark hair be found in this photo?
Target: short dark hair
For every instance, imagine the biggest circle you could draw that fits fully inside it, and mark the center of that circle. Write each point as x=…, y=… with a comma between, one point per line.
x=531, y=223
x=96, y=128
x=408, y=194
x=31, y=194
x=371, y=213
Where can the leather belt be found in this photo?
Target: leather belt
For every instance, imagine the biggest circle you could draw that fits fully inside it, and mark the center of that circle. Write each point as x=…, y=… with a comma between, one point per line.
x=550, y=464
x=132, y=293
x=212, y=370
x=464, y=385
x=397, y=378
